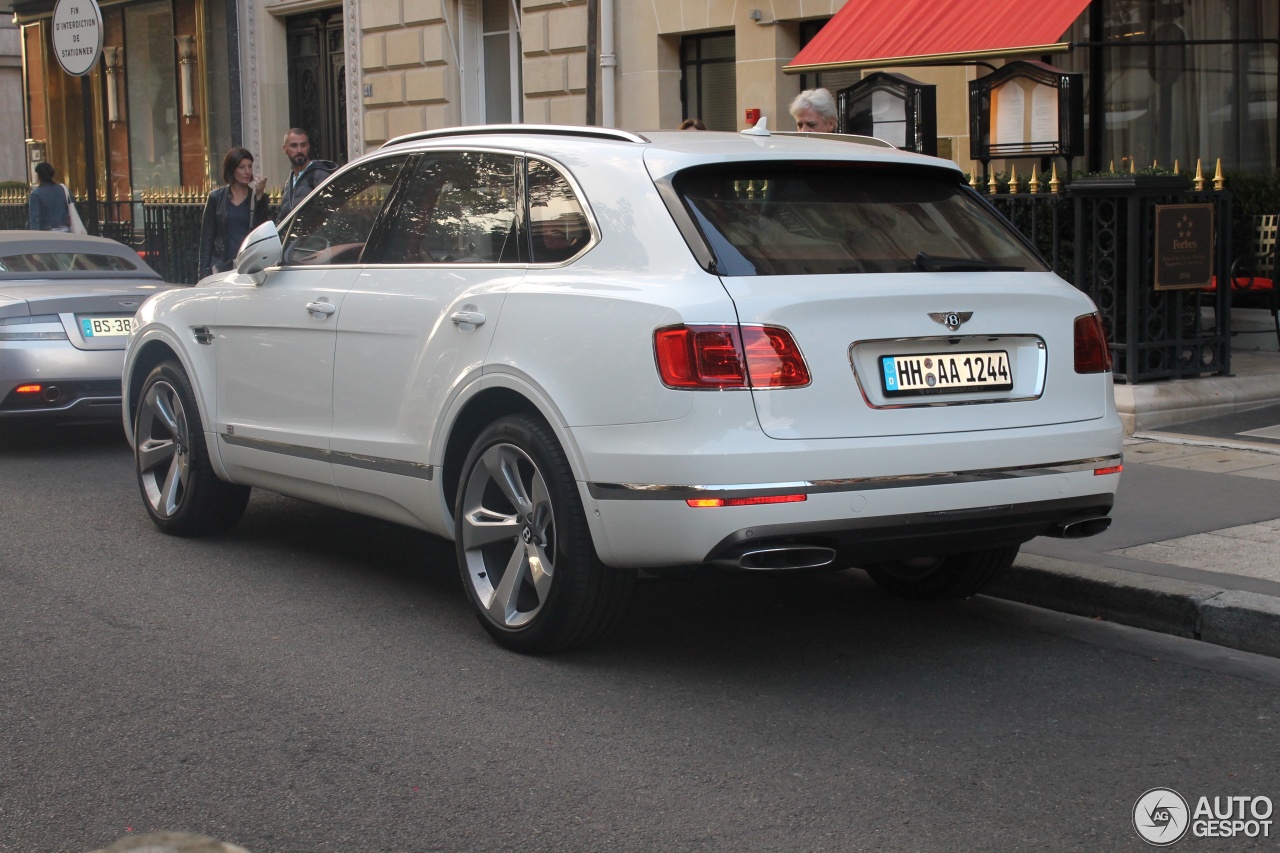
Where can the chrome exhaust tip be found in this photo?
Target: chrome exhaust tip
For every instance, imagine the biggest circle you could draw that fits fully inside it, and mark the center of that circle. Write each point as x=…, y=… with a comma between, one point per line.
x=784, y=557
x=1079, y=528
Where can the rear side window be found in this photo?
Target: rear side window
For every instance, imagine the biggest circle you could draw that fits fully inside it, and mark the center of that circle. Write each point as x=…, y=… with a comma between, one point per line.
x=824, y=217
x=557, y=223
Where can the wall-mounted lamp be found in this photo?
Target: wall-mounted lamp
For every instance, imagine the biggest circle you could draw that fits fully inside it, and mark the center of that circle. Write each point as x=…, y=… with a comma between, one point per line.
x=113, y=58
x=186, y=67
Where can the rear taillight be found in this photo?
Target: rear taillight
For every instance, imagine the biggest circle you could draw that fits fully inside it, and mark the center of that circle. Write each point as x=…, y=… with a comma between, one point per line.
x=1092, y=353
x=729, y=357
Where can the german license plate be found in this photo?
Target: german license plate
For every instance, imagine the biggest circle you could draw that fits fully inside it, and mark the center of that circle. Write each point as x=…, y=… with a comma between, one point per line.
x=99, y=327
x=933, y=373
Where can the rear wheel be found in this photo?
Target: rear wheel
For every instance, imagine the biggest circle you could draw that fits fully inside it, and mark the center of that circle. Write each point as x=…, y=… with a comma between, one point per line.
x=183, y=495
x=943, y=578
x=526, y=556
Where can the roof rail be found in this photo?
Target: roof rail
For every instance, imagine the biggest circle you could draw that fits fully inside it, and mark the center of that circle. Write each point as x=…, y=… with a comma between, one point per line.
x=547, y=129
x=838, y=137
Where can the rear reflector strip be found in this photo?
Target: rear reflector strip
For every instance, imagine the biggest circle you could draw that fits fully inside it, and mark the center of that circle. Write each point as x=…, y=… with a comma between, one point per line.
x=28, y=389
x=754, y=501
x=1112, y=469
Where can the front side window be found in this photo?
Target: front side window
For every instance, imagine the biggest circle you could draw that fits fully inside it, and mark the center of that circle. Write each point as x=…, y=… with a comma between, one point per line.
x=333, y=223
x=823, y=217
x=459, y=208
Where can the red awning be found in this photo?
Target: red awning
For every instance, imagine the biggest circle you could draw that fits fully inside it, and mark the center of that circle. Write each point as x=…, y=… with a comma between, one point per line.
x=872, y=33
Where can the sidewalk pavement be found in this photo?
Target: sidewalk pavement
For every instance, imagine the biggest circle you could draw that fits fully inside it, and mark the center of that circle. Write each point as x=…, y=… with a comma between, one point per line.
x=1194, y=548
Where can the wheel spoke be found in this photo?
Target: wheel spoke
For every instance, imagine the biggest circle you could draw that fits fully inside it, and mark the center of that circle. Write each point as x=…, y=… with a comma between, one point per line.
x=502, y=607
x=503, y=466
x=540, y=571
x=173, y=485
x=154, y=452
x=161, y=406
x=484, y=527
x=542, y=512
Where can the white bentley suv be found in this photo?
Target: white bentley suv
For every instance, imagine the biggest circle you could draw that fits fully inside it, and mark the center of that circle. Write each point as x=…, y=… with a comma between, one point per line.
x=579, y=352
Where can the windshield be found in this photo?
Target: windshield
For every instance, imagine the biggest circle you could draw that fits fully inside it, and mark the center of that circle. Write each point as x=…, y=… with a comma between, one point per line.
x=825, y=217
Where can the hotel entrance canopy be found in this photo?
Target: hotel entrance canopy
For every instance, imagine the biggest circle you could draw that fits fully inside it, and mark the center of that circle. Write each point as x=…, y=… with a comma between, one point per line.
x=878, y=33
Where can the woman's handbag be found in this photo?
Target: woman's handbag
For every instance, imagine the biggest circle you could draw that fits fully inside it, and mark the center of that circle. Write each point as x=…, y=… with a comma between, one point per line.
x=77, y=227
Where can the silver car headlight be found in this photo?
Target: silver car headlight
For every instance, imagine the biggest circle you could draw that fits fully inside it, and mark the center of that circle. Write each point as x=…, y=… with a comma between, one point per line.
x=40, y=327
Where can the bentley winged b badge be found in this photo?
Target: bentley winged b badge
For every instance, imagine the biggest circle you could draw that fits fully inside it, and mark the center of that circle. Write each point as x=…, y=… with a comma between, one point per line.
x=951, y=319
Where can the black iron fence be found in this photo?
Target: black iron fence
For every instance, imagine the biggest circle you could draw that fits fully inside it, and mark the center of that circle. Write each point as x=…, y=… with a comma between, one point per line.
x=163, y=226
x=1097, y=234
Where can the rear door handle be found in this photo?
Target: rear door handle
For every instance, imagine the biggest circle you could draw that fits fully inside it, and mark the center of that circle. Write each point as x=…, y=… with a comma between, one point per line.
x=474, y=318
x=324, y=308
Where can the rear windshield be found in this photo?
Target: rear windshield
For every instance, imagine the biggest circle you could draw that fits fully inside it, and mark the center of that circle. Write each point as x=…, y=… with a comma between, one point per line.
x=64, y=262
x=814, y=218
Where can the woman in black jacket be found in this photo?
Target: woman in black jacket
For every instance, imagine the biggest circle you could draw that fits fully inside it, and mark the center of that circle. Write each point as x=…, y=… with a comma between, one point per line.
x=231, y=212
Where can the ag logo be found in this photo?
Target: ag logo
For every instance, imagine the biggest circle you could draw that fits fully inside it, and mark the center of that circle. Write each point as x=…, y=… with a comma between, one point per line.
x=1161, y=816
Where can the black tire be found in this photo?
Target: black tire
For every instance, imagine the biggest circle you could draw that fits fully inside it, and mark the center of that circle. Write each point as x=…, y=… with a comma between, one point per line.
x=179, y=489
x=943, y=578
x=517, y=510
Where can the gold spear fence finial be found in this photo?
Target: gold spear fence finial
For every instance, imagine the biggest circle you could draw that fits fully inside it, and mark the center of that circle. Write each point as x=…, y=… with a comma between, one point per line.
x=1218, y=180
x=1198, y=180
x=1034, y=186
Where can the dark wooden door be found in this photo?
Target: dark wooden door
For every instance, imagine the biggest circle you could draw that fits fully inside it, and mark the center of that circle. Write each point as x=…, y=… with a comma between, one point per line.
x=317, y=82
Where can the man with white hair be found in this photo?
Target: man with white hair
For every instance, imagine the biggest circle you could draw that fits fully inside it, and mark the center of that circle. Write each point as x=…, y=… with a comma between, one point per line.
x=814, y=111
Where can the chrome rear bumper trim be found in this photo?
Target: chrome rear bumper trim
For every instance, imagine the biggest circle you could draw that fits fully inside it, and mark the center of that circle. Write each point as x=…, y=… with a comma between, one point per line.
x=655, y=492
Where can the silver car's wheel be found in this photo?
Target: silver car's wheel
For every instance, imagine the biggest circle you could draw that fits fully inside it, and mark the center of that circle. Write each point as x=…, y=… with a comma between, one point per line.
x=182, y=494
x=525, y=552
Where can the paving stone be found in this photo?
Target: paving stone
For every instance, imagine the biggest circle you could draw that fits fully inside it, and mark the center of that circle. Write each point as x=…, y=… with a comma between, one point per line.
x=1218, y=460
x=1151, y=451
x=1248, y=550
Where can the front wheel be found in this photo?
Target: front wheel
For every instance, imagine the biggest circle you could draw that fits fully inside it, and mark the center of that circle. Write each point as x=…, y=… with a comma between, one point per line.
x=525, y=552
x=182, y=494
x=943, y=578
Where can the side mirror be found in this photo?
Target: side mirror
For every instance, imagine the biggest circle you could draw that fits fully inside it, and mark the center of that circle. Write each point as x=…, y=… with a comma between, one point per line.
x=261, y=249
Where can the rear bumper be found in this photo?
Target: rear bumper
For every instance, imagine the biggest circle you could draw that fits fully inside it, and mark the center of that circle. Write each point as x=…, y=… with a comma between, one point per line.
x=870, y=500
x=76, y=384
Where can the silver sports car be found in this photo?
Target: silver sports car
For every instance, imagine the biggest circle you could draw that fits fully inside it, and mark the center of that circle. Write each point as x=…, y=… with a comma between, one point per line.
x=66, y=306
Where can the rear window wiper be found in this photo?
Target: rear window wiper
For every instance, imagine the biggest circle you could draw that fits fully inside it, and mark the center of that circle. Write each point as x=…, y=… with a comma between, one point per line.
x=930, y=263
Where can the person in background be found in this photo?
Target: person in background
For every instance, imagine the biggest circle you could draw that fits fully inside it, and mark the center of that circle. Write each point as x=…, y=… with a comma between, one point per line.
x=231, y=212
x=814, y=111
x=47, y=207
x=307, y=174
x=692, y=124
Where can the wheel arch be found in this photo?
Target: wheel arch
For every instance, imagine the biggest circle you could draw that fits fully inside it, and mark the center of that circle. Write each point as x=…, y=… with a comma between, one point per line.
x=482, y=409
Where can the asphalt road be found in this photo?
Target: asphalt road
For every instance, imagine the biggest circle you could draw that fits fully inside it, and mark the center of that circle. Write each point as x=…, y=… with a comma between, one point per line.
x=313, y=681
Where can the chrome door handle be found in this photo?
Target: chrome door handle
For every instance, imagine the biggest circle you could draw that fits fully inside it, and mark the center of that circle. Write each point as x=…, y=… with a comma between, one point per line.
x=474, y=318
x=322, y=307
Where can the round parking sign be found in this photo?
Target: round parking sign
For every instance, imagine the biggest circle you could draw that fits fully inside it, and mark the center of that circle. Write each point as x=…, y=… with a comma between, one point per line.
x=77, y=35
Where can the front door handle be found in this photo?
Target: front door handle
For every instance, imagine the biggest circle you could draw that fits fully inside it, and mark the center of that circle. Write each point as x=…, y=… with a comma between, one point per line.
x=321, y=309
x=473, y=318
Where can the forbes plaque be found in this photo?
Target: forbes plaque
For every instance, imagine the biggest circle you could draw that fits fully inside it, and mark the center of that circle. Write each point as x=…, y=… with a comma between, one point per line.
x=1184, y=246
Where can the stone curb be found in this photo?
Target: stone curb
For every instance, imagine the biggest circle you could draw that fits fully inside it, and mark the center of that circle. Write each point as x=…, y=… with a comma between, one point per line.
x=1240, y=620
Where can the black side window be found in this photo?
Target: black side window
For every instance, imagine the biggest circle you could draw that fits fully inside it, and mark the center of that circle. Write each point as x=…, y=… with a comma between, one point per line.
x=334, y=222
x=557, y=222
x=459, y=208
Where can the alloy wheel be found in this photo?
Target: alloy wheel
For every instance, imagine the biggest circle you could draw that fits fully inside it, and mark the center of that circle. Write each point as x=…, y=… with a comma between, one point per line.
x=508, y=535
x=164, y=444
